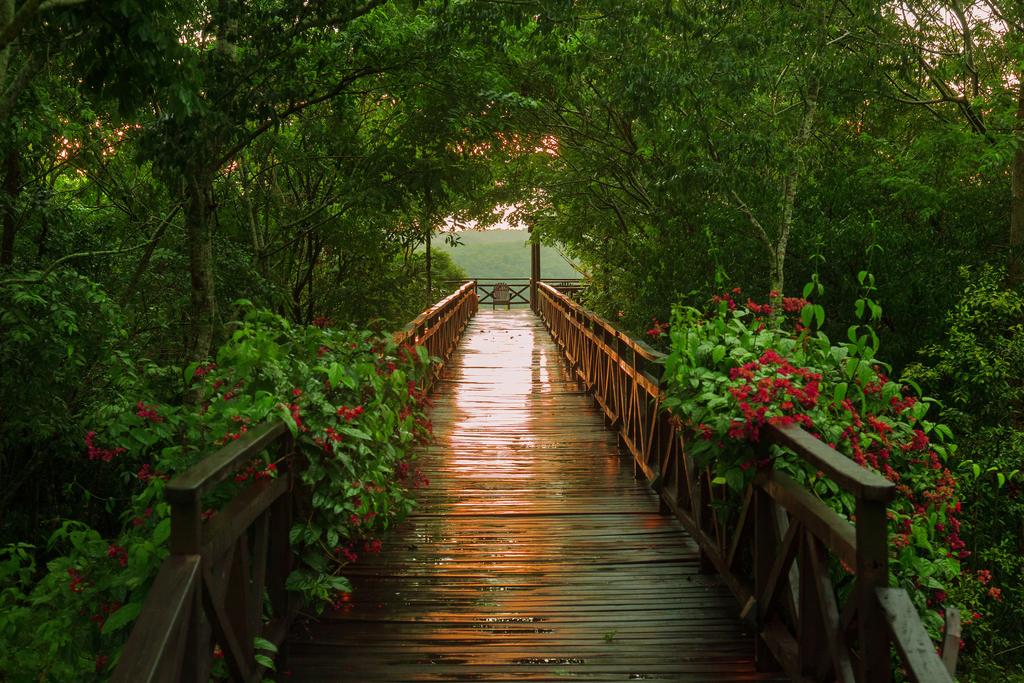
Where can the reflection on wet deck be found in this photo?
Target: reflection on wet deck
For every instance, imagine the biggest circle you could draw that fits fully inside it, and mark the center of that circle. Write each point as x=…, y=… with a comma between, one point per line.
x=534, y=555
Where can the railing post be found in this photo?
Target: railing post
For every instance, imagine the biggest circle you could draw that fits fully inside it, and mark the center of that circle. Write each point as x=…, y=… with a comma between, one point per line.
x=534, y=271
x=872, y=572
x=186, y=522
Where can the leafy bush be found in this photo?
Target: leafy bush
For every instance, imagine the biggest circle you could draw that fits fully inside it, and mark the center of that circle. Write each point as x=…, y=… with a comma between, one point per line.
x=352, y=400
x=744, y=366
x=979, y=372
x=60, y=349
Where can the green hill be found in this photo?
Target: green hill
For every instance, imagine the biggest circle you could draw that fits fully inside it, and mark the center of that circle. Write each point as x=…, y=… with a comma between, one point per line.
x=502, y=254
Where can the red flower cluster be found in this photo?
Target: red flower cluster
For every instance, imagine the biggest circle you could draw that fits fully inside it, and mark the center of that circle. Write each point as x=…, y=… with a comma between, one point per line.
x=147, y=412
x=294, y=409
x=426, y=429
x=727, y=298
x=232, y=436
x=419, y=480
x=771, y=384
x=322, y=322
x=342, y=602
x=350, y=414
x=75, y=584
x=204, y=370
x=146, y=514
x=106, y=609
x=116, y=552
x=407, y=353
x=419, y=396
x=402, y=470
x=658, y=329
x=145, y=473
x=97, y=453
x=256, y=470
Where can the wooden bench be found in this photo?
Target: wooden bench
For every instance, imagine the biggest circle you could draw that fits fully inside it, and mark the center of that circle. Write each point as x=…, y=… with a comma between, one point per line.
x=501, y=294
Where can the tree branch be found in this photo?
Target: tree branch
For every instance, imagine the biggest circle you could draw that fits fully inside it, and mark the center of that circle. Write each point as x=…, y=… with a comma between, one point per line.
x=81, y=254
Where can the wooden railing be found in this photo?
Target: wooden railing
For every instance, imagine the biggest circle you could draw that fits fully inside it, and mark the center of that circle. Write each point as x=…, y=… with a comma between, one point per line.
x=781, y=547
x=440, y=327
x=519, y=288
x=223, y=584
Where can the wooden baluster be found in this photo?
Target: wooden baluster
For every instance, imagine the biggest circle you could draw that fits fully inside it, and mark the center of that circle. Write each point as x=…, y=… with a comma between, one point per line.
x=811, y=628
x=280, y=560
x=765, y=549
x=707, y=520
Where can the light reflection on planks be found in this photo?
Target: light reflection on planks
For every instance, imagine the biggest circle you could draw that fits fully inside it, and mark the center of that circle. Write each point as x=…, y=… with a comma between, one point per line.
x=534, y=555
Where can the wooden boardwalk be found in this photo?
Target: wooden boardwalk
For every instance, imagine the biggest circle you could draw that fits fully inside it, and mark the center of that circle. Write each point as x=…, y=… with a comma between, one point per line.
x=534, y=555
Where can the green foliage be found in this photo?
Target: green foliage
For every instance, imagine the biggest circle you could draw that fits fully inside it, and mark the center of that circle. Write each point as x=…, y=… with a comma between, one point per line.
x=671, y=149
x=61, y=346
x=741, y=367
x=353, y=403
x=977, y=369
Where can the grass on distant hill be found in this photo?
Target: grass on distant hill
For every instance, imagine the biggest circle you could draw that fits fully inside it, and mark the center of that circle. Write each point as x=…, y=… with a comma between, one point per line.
x=502, y=254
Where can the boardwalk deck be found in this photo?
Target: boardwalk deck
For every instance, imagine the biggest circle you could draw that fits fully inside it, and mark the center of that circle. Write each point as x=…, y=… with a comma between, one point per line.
x=534, y=555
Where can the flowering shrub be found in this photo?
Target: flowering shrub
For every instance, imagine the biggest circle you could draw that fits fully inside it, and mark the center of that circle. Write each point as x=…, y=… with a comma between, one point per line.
x=978, y=370
x=747, y=365
x=353, y=402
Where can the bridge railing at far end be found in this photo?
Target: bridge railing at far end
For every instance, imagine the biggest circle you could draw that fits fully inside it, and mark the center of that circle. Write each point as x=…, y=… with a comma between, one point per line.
x=519, y=288
x=226, y=572
x=776, y=555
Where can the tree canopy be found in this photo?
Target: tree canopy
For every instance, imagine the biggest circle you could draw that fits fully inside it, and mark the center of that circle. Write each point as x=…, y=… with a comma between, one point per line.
x=169, y=166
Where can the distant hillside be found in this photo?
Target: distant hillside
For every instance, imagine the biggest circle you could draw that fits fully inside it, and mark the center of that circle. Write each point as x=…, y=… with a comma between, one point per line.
x=502, y=253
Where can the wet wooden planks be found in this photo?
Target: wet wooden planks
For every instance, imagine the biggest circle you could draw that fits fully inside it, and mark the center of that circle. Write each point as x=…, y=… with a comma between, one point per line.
x=533, y=555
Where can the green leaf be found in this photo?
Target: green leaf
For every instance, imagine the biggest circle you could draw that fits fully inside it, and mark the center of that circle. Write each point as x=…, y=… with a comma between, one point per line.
x=283, y=413
x=357, y=433
x=264, y=644
x=717, y=354
x=162, y=532
x=265, y=661
x=122, y=617
x=807, y=315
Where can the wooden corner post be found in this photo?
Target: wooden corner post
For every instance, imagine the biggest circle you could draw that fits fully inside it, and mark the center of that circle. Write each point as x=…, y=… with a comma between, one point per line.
x=872, y=573
x=534, y=270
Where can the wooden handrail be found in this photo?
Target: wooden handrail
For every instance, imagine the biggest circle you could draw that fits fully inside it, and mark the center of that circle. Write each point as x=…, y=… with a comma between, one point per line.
x=851, y=477
x=782, y=534
x=212, y=470
x=162, y=631
x=548, y=280
x=213, y=587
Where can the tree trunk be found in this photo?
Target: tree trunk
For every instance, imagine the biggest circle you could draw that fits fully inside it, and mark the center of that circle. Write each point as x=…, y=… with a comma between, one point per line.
x=1015, y=267
x=430, y=288
x=12, y=187
x=199, y=232
x=428, y=215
